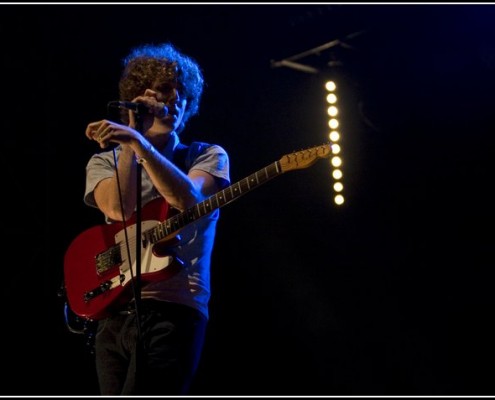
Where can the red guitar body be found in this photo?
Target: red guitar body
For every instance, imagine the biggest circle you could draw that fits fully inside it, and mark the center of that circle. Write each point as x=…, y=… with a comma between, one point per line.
x=97, y=271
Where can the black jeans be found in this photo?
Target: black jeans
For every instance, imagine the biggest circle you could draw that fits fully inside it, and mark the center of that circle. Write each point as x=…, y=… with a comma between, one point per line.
x=172, y=337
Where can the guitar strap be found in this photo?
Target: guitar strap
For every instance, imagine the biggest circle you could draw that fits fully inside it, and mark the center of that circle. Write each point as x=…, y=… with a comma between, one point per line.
x=185, y=155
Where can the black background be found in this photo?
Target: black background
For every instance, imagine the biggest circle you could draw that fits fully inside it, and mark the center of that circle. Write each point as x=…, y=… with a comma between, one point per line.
x=389, y=294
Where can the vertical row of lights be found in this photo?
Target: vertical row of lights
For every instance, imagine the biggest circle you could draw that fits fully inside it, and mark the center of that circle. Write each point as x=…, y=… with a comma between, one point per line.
x=334, y=136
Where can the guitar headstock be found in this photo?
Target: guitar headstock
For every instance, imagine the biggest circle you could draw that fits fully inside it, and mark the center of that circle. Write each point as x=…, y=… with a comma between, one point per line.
x=305, y=158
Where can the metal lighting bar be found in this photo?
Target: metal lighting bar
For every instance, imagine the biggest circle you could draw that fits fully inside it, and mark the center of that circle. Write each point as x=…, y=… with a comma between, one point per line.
x=290, y=61
x=294, y=65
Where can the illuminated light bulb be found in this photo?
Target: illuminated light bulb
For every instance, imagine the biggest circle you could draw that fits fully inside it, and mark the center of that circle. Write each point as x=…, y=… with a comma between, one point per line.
x=333, y=123
x=331, y=98
x=334, y=136
x=332, y=111
x=336, y=161
x=337, y=174
x=338, y=199
x=330, y=86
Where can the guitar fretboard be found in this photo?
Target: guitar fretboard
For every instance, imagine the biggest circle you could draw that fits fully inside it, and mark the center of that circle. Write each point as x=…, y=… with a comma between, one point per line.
x=219, y=199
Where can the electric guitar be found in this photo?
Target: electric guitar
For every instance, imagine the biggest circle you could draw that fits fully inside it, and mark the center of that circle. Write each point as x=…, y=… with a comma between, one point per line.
x=98, y=262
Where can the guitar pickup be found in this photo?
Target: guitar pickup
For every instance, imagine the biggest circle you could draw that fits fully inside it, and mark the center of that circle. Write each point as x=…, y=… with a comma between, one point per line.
x=108, y=259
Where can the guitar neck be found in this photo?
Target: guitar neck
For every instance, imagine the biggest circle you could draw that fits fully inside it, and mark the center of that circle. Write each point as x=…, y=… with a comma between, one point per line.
x=215, y=201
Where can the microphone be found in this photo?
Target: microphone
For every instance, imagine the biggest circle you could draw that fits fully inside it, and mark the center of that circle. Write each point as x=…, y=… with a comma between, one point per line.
x=138, y=108
x=129, y=105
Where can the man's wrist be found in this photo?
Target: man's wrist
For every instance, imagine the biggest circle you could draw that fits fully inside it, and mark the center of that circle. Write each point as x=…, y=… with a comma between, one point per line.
x=150, y=149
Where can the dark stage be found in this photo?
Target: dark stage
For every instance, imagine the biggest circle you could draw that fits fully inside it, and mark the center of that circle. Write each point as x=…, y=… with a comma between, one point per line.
x=389, y=294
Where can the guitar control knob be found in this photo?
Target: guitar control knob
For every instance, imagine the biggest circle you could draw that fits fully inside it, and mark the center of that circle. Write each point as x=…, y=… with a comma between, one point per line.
x=91, y=294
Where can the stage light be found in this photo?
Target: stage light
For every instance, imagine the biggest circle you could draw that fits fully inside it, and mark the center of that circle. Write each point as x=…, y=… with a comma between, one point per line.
x=333, y=123
x=330, y=86
x=334, y=136
x=338, y=187
x=336, y=161
x=331, y=98
x=332, y=111
x=339, y=199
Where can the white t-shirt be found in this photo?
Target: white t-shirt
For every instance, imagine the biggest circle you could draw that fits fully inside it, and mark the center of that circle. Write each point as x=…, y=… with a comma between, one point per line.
x=191, y=285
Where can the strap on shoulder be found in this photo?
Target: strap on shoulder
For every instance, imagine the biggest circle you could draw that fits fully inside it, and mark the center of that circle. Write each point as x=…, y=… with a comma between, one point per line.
x=184, y=155
x=180, y=153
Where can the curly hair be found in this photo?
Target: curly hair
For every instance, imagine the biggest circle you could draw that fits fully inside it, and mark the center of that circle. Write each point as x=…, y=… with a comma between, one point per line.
x=162, y=67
